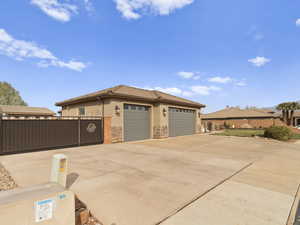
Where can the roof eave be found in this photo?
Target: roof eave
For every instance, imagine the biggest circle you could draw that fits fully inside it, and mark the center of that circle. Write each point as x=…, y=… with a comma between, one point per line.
x=129, y=97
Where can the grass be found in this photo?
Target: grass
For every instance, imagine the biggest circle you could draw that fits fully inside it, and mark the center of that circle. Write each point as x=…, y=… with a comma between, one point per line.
x=249, y=133
x=242, y=132
x=296, y=136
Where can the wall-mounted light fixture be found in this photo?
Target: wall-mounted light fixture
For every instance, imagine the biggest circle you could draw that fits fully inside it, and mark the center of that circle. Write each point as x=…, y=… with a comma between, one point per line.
x=117, y=109
x=164, y=112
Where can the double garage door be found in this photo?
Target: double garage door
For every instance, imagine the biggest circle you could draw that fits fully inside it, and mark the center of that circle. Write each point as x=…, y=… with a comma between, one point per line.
x=137, y=122
x=181, y=122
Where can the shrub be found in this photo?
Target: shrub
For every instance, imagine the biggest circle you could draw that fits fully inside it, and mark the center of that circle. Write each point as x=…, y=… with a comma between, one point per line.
x=279, y=133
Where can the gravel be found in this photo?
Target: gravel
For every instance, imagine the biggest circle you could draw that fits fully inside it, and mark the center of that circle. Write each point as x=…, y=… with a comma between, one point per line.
x=6, y=181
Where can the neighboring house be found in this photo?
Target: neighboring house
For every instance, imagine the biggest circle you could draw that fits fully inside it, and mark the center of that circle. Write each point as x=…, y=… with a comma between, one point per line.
x=296, y=120
x=15, y=111
x=138, y=114
x=234, y=117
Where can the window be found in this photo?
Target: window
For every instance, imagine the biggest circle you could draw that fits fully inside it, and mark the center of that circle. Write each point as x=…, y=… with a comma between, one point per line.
x=81, y=111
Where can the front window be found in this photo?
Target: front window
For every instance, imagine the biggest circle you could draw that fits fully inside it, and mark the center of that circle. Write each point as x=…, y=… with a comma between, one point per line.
x=81, y=111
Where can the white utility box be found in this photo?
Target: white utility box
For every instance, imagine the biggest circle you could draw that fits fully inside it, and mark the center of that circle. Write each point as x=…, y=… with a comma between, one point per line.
x=46, y=204
x=59, y=169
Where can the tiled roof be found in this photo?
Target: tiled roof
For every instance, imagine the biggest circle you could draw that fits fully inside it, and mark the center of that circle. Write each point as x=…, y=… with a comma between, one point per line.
x=234, y=112
x=132, y=93
x=25, y=110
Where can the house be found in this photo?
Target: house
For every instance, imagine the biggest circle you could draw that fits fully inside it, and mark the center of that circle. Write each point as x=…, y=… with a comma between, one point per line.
x=235, y=117
x=138, y=114
x=296, y=118
x=16, y=111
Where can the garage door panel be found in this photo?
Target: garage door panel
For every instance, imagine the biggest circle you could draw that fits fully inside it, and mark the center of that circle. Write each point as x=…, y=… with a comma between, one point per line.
x=181, y=122
x=136, y=123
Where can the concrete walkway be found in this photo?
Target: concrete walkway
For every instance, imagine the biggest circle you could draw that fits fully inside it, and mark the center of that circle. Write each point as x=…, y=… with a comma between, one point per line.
x=190, y=180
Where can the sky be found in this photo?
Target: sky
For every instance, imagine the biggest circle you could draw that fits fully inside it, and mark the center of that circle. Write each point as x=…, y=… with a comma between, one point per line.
x=218, y=53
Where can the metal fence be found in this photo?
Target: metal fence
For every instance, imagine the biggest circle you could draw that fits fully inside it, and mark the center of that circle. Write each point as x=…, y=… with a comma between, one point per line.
x=22, y=135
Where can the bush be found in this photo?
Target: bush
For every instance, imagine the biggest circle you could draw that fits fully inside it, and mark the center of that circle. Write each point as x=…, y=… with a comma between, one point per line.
x=279, y=133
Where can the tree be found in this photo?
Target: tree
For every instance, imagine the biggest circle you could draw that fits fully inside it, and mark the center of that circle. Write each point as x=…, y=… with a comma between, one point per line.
x=9, y=95
x=288, y=109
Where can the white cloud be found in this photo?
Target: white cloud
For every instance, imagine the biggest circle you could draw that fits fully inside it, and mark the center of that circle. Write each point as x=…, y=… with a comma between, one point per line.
x=255, y=33
x=19, y=50
x=170, y=90
x=132, y=9
x=56, y=10
x=222, y=80
x=187, y=92
x=241, y=83
x=88, y=5
x=259, y=61
x=189, y=75
x=204, y=90
x=298, y=22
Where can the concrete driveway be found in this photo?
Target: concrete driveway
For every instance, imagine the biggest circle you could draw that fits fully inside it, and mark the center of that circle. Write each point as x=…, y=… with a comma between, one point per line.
x=190, y=180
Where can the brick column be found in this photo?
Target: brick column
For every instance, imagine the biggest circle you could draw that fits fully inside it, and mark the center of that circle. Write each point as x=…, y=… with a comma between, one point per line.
x=107, y=130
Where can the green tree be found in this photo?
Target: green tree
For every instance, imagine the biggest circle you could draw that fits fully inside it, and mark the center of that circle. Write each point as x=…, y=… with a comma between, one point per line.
x=288, y=109
x=9, y=95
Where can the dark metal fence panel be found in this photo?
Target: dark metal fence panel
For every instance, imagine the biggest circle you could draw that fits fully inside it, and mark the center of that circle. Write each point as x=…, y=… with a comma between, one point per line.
x=90, y=132
x=33, y=135
x=1, y=135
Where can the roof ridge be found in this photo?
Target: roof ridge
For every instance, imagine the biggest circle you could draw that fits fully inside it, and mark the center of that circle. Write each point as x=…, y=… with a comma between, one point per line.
x=115, y=88
x=156, y=93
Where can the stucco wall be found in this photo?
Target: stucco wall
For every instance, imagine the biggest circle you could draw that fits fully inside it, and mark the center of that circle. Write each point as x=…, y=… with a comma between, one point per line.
x=91, y=109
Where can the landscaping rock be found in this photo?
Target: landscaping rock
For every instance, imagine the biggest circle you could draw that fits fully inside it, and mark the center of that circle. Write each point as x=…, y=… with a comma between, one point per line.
x=6, y=181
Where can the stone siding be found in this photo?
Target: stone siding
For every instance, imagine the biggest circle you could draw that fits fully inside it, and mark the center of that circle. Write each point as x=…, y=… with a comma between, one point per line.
x=116, y=134
x=160, y=132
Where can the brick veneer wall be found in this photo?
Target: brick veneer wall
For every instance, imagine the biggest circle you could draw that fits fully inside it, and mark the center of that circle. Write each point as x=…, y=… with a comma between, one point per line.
x=107, y=130
x=243, y=123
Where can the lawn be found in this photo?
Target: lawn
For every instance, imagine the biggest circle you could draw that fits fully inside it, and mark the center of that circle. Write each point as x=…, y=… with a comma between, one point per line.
x=296, y=136
x=248, y=133
x=241, y=132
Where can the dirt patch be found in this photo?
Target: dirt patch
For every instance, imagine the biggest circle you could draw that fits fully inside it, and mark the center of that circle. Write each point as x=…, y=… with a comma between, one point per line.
x=6, y=181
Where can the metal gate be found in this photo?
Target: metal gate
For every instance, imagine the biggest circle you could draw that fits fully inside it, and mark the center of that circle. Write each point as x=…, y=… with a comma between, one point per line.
x=136, y=122
x=181, y=122
x=18, y=135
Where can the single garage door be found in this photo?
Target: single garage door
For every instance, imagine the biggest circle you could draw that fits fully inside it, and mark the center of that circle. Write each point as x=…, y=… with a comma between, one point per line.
x=136, y=122
x=181, y=122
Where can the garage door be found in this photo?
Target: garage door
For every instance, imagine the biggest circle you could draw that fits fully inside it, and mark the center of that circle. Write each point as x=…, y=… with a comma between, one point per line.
x=136, y=122
x=181, y=122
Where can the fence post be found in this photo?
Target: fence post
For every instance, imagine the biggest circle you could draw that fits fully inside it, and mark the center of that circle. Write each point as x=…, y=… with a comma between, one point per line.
x=1, y=135
x=79, y=129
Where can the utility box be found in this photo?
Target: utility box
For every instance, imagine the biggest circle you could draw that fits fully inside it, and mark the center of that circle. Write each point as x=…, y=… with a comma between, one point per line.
x=59, y=169
x=46, y=204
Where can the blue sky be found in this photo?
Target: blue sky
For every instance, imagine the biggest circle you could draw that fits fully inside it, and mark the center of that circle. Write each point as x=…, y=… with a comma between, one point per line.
x=216, y=52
